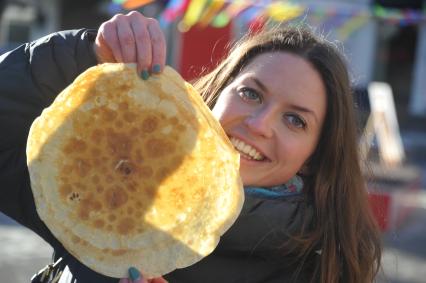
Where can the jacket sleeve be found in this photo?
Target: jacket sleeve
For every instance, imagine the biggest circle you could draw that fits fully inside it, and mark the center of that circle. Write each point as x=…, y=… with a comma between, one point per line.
x=30, y=78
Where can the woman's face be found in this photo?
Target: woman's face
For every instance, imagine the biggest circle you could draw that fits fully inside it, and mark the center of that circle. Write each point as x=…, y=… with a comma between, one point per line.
x=273, y=112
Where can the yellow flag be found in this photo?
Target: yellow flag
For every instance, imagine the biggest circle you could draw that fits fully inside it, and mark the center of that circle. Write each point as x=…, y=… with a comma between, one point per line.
x=192, y=14
x=279, y=11
x=211, y=11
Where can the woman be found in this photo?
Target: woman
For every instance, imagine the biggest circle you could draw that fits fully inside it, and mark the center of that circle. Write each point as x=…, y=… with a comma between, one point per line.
x=283, y=97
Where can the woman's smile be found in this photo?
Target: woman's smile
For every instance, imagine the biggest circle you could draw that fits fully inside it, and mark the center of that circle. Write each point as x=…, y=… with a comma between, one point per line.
x=247, y=151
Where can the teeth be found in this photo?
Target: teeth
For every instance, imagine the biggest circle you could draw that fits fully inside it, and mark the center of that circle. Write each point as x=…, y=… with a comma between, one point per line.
x=246, y=149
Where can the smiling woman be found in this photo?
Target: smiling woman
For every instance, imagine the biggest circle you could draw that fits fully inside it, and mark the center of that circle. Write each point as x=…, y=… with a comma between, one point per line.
x=282, y=96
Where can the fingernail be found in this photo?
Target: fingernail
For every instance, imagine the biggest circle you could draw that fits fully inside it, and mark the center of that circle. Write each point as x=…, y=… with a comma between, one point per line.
x=145, y=75
x=156, y=68
x=134, y=274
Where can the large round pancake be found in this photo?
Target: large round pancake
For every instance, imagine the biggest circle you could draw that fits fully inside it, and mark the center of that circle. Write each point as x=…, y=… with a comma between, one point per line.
x=127, y=172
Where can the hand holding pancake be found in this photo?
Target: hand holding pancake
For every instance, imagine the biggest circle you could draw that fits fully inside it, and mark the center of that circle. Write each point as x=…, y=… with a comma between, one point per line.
x=132, y=38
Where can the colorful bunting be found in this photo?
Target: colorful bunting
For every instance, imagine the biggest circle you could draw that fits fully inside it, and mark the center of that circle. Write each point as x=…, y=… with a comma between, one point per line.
x=218, y=13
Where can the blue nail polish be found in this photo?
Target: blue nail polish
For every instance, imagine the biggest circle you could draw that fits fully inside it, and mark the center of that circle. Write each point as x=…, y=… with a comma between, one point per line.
x=145, y=75
x=134, y=274
x=156, y=68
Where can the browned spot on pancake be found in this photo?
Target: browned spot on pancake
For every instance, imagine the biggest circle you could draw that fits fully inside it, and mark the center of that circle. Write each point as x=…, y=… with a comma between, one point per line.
x=150, y=124
x=75, y=239
x=75, y=145
x=134, y=132
x=96, y=162
x=149, y=191
x=130, y=210
x=131, y=188
x=125, y=226
x=68, y=168
x=83, y=213
x=123, y=106
x=96, y=136
x=129, y=116
x=157, y=148
x=99, y=189
x=79, y=186
x=95, y=205
x=181, y=127
x=112, y=218
x=108, y=177
x=119, y=144
x=138, y=214
x=95, y=179
x=138, y=156
x=124, y=88
x=118, y=252
x=82, y=167
x=173, y=120
x=108, y=115
x=116, y=197
x=99, y=223
x=162, y=173
x=119, y=124
x=145, y=171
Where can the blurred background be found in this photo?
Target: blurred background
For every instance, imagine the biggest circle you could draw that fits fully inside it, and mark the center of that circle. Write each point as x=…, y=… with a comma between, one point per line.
x=384, y=42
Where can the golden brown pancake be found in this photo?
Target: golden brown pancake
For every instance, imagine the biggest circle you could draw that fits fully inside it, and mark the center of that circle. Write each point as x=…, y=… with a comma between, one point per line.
x=127, y=172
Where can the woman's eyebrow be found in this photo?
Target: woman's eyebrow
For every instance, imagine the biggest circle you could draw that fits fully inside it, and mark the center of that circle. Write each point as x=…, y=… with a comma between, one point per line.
x=259, y=84
x=304, y=110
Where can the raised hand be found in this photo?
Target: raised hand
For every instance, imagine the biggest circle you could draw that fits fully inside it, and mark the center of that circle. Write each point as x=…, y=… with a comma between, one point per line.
x=132, y=38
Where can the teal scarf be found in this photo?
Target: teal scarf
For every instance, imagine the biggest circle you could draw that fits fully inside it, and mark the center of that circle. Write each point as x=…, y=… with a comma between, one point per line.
x=292, y=188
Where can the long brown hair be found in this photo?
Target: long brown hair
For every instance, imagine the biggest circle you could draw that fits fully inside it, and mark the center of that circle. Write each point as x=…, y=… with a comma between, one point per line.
x=343, y=225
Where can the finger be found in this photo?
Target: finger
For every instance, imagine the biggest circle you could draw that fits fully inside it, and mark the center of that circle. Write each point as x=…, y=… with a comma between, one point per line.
x=143, y=42
x=109, y=40
x=158, y=42
x=126, y=39
x=102, y=51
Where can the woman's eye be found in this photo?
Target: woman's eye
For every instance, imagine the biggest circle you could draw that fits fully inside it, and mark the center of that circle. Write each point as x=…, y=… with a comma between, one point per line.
x=295, y=120
x=249, y=94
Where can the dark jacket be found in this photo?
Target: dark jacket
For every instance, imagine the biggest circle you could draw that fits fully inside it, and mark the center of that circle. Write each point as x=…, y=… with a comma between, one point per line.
x=30, y=78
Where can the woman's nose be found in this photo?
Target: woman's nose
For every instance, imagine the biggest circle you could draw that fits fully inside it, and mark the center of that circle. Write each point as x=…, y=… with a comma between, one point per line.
x=261, y=123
